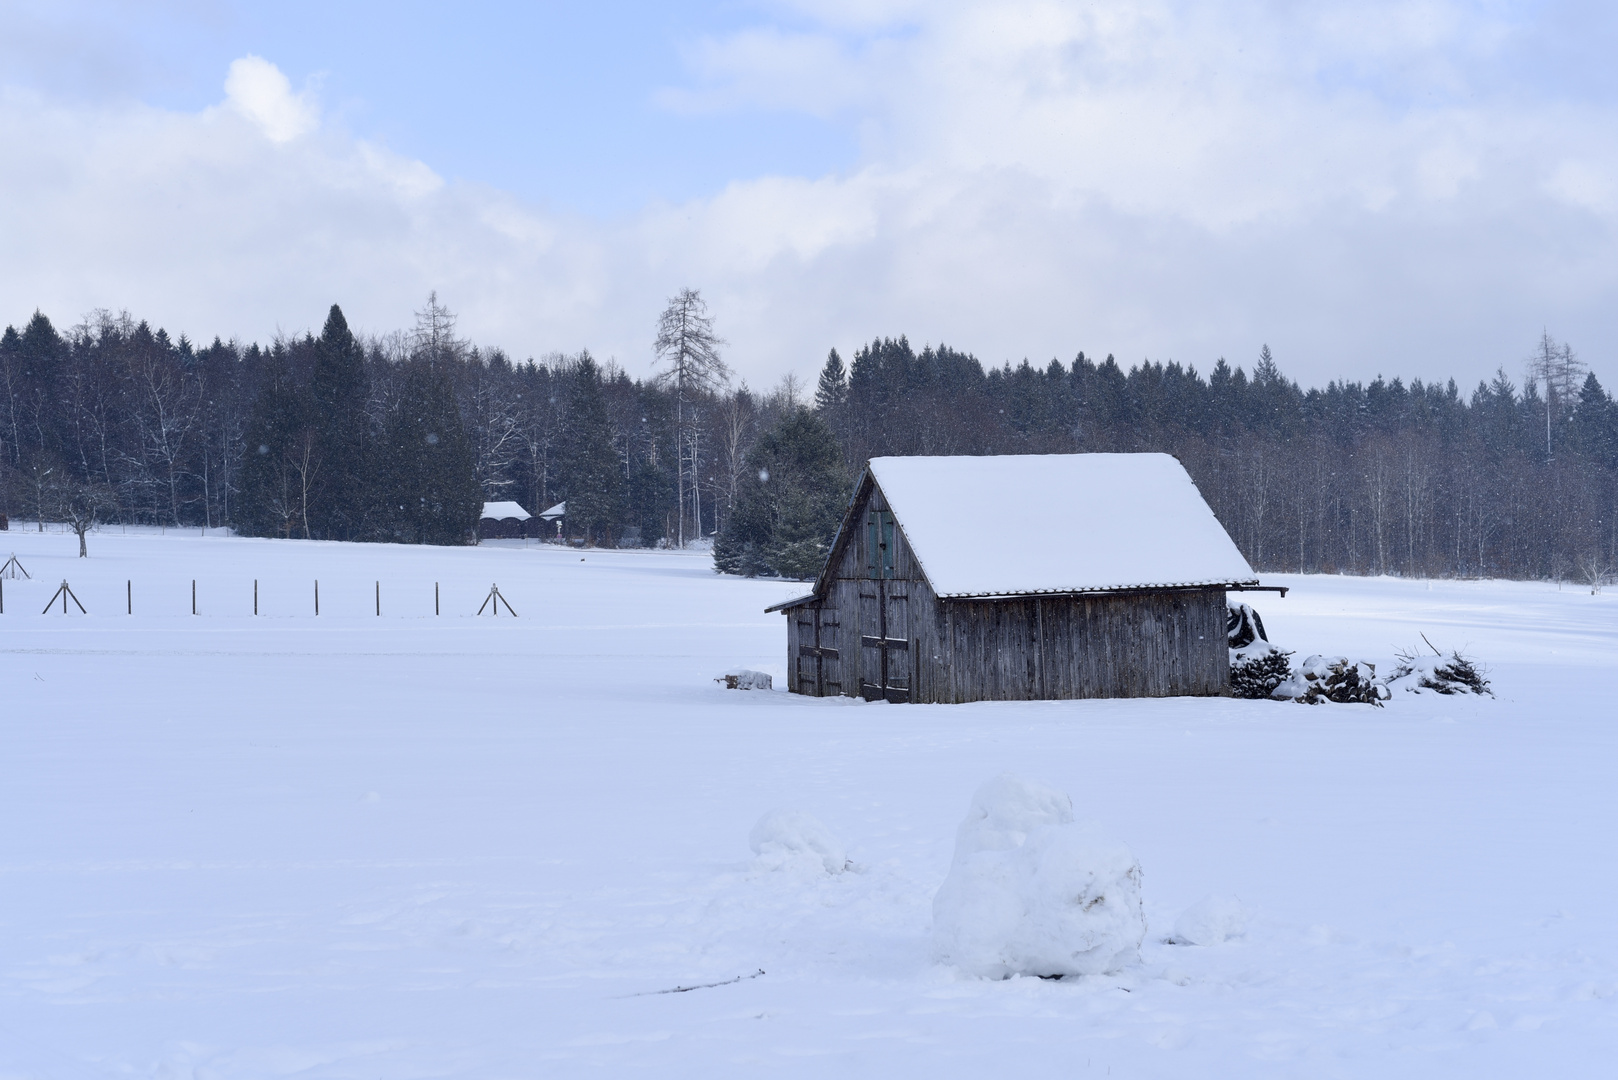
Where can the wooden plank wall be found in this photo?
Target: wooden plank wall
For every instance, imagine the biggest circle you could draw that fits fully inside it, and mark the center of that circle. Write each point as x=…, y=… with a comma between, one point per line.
x=1159, y=644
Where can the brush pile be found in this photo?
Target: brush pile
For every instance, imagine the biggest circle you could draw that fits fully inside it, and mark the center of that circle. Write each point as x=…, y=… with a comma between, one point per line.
x=1333, y=678
x=1438, y=674
x=1256, y=666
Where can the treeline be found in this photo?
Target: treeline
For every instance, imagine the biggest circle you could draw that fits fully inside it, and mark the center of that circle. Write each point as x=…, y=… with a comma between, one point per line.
x=394, y=438
x=402, y=437
x=1380, y=477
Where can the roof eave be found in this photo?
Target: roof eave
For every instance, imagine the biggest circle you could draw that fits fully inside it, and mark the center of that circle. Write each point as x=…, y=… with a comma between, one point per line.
x=796, y=601
x=1177, y=586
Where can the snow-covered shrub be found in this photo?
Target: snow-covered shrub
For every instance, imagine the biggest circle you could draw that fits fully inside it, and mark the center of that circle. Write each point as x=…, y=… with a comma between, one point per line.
x=1455, y=674
x=1211, y=920
x=1333, y=678
x=792, y=840
x=743, y=679
x=1032, y=893
x=1256, y=666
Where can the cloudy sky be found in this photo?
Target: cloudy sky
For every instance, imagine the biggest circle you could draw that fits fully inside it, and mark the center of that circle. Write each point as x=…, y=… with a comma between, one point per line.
x=1412, y=188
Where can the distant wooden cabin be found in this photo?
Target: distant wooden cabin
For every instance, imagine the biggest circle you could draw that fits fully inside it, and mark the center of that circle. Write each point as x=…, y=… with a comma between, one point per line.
x=503, y=521
x=1019, y=578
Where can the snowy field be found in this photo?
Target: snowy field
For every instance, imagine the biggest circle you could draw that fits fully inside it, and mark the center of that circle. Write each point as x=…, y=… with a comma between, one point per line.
x=418, y=846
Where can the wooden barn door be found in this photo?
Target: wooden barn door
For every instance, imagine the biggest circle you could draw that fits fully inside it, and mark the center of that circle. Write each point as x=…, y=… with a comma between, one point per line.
x=885, y=641
x=819, y=663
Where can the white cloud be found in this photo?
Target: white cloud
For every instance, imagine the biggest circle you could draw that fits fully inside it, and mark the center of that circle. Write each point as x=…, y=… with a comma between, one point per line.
x=259, y=91
x=1040, y=177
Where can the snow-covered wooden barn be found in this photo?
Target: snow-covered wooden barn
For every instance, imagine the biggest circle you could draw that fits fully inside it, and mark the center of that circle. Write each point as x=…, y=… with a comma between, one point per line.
x=1019, y=577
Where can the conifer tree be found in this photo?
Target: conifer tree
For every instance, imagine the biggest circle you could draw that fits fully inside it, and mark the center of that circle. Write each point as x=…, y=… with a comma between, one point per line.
x=591, y=480
x=790, y=503
x=339, y=391
x=278, y=456
x=427, y=473
x=832, y=391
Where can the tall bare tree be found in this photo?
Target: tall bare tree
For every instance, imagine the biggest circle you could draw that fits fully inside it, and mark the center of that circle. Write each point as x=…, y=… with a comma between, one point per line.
x=687, y=345
x=1558, y=369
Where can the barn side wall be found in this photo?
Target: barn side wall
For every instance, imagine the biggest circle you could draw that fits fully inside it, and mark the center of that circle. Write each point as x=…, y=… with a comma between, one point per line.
x=1149, y=644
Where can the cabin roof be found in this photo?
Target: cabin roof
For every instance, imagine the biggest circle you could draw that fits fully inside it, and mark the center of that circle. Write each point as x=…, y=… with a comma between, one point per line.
x=1057, y=523
x=500, y=511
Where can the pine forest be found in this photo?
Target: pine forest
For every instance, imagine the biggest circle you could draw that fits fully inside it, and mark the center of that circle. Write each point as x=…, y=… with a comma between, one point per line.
x=402, y=437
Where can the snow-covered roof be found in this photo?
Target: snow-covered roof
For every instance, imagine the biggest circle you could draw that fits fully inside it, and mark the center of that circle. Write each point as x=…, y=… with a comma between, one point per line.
x=1002, y=526
x=559, y=510
x=500, y=511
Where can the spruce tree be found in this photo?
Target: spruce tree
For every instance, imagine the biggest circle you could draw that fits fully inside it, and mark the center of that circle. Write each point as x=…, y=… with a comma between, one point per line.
x=832, y=390
x=590, y=478
x=339, y=391
x=277, y=455
x=791, y=502
x=432, y=494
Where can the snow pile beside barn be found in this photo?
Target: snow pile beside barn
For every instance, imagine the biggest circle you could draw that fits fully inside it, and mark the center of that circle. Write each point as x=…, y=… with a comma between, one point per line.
x=1256, y=666
x=1333, y=678
x=1031, y=892
x=794, y=841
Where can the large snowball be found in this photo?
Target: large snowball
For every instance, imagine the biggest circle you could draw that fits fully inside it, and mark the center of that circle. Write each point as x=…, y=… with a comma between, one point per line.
x=1032, y=893
x=792, y=840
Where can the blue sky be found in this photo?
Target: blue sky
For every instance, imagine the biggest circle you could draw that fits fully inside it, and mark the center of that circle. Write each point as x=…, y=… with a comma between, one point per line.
x=557, y=102
x=1414, y=188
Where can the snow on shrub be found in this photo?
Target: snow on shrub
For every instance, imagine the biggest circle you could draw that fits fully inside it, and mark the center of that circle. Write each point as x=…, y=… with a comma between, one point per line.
x=1256, y=666
x=1210, y=921
x=1454, y=674
x=792, y=840
x=1333, y=678
x=1032, y=893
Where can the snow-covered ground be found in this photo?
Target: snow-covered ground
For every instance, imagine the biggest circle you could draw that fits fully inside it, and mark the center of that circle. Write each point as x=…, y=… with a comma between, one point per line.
x=411, y=846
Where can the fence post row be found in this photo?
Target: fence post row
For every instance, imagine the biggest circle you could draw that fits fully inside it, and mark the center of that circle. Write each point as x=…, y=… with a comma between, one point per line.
x=65, y=592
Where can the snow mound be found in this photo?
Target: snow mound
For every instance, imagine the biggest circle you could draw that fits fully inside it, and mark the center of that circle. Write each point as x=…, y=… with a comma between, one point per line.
x=1032, y=893
x=1210, y=921
x=793, y=840
x=743, y=679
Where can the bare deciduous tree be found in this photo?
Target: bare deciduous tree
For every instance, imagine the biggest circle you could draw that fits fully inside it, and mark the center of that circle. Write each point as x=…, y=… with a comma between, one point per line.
x=687, y=344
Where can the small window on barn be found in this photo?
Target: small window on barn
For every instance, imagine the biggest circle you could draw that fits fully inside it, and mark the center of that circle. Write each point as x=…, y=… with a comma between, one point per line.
x=879, y=544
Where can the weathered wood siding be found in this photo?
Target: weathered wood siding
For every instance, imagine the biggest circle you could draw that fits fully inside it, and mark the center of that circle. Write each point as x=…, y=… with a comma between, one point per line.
x=1148, y=644
x=893, y=638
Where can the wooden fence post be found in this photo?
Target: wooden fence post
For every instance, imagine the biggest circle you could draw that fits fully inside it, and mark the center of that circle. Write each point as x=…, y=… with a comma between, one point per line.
x=193, y=596
x=379, y=599
x=317, y=596
x=129, y=596
x=435, y=598
x=255, y=596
